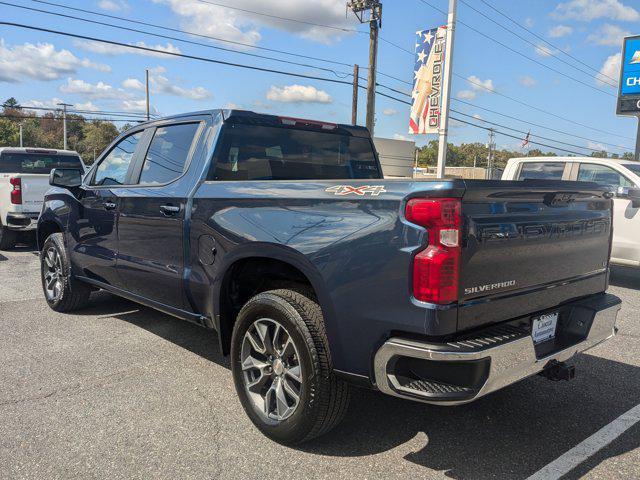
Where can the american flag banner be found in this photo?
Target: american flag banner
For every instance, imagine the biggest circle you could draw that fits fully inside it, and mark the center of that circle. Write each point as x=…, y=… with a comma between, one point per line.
x=427, y=84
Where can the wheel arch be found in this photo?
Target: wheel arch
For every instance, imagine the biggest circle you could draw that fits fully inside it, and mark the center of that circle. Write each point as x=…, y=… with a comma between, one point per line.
x=257, y=271
x=45, y=229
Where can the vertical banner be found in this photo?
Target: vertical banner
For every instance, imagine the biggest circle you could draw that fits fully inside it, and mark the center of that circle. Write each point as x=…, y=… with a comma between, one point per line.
x=427, y=84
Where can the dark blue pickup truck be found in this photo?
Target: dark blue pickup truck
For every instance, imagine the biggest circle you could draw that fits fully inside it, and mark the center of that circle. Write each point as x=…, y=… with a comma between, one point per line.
x=282, y=235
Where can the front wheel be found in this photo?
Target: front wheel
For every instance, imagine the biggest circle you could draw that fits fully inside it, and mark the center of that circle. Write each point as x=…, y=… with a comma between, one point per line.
x=282, y=367
x=62, y=292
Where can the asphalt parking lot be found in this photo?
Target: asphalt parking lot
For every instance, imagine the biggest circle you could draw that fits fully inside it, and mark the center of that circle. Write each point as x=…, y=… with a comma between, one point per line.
x=122, y=391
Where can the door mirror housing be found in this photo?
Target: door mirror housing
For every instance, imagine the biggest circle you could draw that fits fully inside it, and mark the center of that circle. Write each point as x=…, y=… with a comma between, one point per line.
x=65, y=177
x=630, y=193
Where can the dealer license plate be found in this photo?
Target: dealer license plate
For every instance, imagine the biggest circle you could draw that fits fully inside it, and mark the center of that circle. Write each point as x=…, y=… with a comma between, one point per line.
x=544, y=327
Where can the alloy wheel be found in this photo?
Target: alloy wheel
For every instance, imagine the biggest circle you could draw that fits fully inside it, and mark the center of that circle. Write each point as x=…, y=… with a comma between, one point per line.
x=52, y=274
x=271, y=369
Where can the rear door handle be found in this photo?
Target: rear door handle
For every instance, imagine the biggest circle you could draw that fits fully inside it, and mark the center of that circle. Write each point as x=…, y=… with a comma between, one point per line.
x=169, y=210
x=109, y=205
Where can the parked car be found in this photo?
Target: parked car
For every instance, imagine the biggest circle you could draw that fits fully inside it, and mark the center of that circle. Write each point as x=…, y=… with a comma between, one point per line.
x=620, y=177
x=24, y=179
x=282, y=235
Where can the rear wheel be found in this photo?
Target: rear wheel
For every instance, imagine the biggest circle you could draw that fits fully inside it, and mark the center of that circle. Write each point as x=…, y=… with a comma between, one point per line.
x=7, y=238
x=282, y=368
x=62, y=292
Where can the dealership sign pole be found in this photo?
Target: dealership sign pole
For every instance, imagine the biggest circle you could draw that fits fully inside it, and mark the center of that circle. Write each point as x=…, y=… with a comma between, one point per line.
x=432, y=84
x=629, y=89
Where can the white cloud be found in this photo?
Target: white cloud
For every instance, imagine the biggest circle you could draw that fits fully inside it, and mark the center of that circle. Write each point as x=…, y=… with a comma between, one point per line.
x=477, y=117
x=88, y=106
x=397, y=136
x=92, y=91
x=527, y=81
x=133, y=84
x=113, y=5
x=596, y=146
x=242, y=26
x=232, y=106
x=134, y=105
x=40, y=62
x=587, y=10
x=390, y=112
x=560, y=31
x=544, y=51
x=112, y=50
x=609, y=35
x=53, y=103
x=161, y=84
x=476, y=86
x=298, y=94
x=610, y=70
x=529, y=22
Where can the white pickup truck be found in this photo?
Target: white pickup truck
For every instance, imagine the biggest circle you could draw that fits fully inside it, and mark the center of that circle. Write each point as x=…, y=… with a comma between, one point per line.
x=24, y=179
x=622, y=177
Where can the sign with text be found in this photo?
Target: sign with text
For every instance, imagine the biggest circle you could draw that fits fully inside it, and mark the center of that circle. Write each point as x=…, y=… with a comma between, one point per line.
x=428, y=73
x=629, y=91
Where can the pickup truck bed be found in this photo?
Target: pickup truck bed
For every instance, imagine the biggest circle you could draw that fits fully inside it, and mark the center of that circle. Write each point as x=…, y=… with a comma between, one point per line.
x=438, y=291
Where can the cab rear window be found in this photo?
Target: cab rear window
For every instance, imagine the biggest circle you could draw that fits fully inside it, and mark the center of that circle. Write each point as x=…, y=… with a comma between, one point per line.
x=541, y=170
x=36, y=163
x=248, y=152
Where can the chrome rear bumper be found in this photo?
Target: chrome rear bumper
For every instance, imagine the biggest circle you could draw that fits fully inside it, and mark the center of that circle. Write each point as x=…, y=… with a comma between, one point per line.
x=509, y=357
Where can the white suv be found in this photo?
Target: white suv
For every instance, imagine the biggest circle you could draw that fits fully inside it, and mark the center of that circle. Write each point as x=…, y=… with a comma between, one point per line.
x=623, y=176
x=24, y=179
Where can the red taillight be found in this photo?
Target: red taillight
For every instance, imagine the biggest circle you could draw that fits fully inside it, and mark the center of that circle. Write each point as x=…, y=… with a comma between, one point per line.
x=436, y=270
x=16, y=193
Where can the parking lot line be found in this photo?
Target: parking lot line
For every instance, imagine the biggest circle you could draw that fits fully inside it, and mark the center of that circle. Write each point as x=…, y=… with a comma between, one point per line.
x=585, y=449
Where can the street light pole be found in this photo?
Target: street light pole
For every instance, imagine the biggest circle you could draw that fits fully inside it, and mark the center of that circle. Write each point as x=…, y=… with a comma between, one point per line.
x=147, y=73
x=20, y=134
x=64, y=123
x=446, y=89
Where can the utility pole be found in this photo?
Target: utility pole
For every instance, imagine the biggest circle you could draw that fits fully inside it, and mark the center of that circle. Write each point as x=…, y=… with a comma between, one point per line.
x=446, y=89
x=491, y=145
x=64, y=122
x=147, y=75
x=20, y=134
x=360, y=8
x=354, y=100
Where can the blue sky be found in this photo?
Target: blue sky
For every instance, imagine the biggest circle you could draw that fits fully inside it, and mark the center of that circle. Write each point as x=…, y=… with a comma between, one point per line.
x=41, y=68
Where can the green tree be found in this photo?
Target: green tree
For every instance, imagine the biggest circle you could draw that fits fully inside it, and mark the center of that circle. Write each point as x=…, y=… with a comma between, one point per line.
x=9, y=133
x=97, y=136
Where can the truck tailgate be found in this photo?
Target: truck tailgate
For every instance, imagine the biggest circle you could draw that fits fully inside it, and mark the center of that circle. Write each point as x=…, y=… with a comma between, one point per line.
x=34, y=186
x=529, y=246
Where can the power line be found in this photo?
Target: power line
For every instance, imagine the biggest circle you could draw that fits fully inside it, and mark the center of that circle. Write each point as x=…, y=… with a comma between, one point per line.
x=513, y=136
x=525, y=133
x=545, y=50
x=71, y=119
x=539, y=37
x=480, y=85
x=96, y=22
x=502, y=126
x=175, y=54
x=75, y=110
x=195, y=34
x=527, y=122
x=504, y=45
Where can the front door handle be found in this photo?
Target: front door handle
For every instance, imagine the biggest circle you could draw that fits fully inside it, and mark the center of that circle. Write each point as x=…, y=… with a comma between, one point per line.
x=169, y=210
x=109, y=205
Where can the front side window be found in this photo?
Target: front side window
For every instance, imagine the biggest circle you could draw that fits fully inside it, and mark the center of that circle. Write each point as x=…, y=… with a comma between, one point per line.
x=250, y=152
x=602, y=175
x=541, y=170
x=113, y=169
x=168, y=153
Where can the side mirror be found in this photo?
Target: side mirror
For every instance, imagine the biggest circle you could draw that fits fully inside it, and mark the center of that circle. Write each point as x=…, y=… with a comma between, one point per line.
x=630, y=193
x=65, y=177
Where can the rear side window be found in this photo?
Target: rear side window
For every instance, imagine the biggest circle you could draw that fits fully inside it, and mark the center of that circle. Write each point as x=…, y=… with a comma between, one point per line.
x=248, y=152
x=541, y=170
x=168, y=153
x=602, y=175
x=37, y=163
x=113, y=169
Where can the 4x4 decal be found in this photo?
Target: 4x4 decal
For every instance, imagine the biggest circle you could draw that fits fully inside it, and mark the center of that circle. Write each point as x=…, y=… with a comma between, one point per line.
x=342, y=190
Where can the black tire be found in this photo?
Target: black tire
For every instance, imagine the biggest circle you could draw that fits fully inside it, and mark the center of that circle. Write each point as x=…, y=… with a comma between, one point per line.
x=323, y=398
x=71, y=294
x=7, y=238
